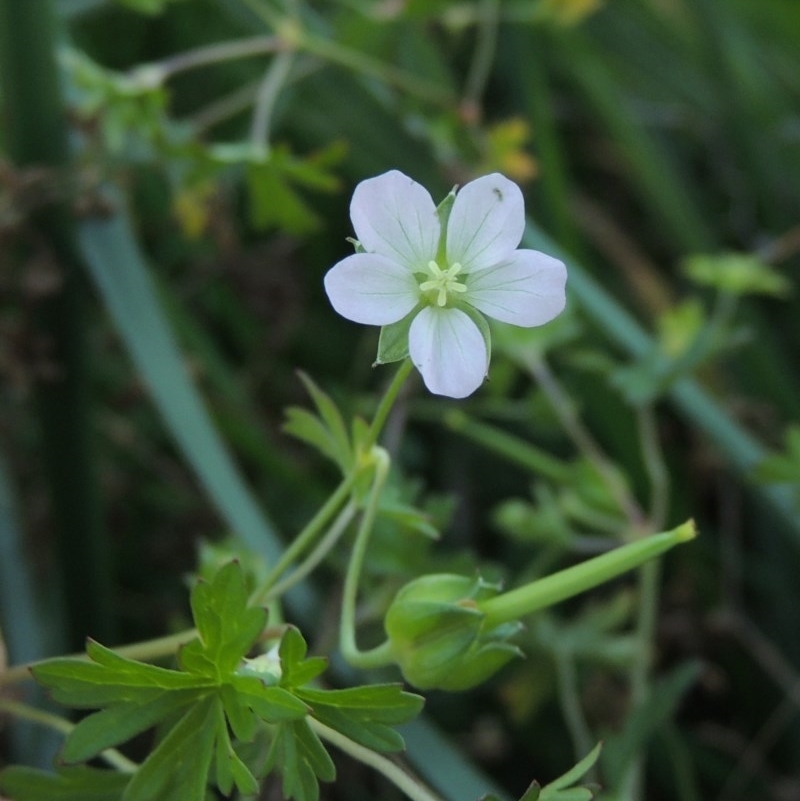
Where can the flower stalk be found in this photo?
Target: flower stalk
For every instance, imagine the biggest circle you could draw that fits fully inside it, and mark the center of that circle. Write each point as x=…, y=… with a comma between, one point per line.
x=566, y=583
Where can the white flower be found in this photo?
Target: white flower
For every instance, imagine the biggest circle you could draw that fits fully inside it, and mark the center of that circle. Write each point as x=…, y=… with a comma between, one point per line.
x=440, y=275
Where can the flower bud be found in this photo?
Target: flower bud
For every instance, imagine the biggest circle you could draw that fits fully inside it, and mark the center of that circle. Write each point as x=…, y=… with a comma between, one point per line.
x=435, y=627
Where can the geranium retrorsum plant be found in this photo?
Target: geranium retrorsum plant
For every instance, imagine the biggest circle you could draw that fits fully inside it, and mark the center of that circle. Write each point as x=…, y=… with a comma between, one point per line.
x=242, y=699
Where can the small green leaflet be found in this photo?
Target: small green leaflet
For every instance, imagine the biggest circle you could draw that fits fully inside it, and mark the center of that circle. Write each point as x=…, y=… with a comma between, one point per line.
x=326, y=432
x=562, y=788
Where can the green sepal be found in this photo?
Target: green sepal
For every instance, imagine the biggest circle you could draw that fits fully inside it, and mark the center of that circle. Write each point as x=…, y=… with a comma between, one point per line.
x=482, y=326
x=393, y=339
x=436, y=631
x=67, y=784
x=443, y=212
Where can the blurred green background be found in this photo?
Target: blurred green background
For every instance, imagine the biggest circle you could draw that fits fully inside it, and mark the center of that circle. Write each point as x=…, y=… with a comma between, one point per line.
x=168, y=209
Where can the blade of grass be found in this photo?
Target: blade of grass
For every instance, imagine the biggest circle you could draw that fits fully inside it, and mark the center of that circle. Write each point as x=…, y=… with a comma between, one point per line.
x=120, y=274
x=37, y=138
x=30, y=630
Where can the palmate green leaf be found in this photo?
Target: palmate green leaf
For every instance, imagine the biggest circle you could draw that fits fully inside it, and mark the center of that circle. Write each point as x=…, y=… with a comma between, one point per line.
x=227, y=627
x=68, y=784
x=195, y=705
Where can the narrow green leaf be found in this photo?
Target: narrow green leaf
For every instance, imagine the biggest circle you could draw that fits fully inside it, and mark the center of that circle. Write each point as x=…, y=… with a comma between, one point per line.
x=89, y=685
x=333, y=420
x=306, y=426
x=302, y=759
x=230, y=769
x=271, y=704
x=573, y=774
x=120, y=723
x=68, y=784
x=179, y=766
x=646, y=720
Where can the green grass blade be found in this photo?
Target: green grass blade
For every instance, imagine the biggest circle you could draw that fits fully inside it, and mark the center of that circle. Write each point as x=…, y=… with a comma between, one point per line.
x=120, y=274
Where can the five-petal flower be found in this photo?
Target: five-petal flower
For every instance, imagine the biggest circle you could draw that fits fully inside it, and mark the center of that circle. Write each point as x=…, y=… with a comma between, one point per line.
x=440, y=275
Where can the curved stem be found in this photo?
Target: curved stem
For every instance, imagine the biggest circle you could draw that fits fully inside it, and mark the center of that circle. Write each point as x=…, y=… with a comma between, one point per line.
x=317, y=555
x=547, y=591
x=274, y=79
x=212, y=54
x=412, y=787
x=305, y=538
x=25, y=712
x=385, y=406
x=382, y=654
x=655, y=466
x=565, y=411
x=481, y=65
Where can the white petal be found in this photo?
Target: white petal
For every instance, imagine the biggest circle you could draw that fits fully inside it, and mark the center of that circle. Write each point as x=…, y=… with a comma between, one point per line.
x=367, y=288
x=396, y=217
x=528, y=289
x=449, y=351
x=486, y=223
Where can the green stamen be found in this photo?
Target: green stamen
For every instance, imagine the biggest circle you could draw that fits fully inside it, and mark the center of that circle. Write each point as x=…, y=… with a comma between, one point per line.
x=443, y=281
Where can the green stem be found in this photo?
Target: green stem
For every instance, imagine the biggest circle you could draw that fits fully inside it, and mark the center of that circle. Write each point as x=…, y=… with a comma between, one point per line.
x=317, y=555
x=569, y=699
x=305, y=538
x=382, y=654
x=564, y=409
x=205, y=56
x=649, y=576
x=547, y=591
x=409, y=785
x=274, y=79
x=299, y=38
x=385, y=406
x=485, y=47
x=654, y=465
x=25, y=712
x=513, y=448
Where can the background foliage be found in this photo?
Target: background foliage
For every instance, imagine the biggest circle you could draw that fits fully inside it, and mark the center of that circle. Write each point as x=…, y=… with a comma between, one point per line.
x=658, y=142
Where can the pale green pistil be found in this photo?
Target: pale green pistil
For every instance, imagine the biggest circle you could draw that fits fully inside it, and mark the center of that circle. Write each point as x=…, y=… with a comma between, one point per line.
x=442, y=282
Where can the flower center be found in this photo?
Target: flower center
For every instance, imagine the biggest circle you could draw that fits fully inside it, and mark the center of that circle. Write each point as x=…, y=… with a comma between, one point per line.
x=442, y=282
